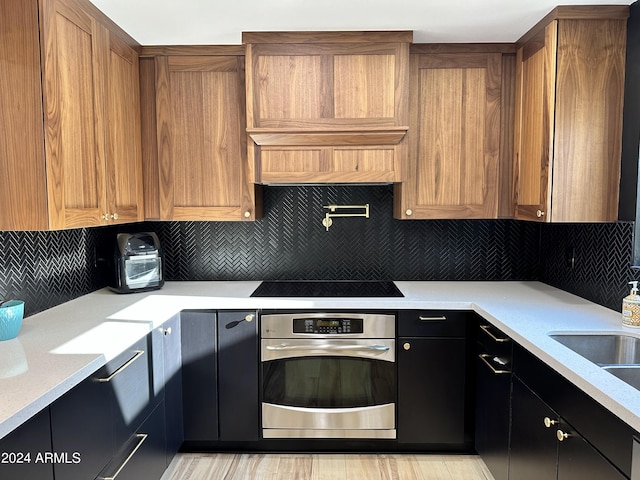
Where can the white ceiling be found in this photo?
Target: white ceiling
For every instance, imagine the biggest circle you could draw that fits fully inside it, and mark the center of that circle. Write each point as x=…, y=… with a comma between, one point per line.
x=193, y=22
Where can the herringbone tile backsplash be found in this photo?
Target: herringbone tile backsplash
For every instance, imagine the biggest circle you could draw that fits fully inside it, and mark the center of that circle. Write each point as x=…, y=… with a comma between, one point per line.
x=291, y=243
x=601, y=253
x=48, y=268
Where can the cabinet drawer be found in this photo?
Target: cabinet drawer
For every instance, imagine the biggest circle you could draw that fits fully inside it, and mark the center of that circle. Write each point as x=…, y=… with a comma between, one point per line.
x=131, y=382
x=432, y=323
x=491, y=341
x=326, y=164
x=81, y=422
x=143, y=456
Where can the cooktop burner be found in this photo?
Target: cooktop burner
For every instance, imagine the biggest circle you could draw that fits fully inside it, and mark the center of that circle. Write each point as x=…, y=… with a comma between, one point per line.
x=327, y=288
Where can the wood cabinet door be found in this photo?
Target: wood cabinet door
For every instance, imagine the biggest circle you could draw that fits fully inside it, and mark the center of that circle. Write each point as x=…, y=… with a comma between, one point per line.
x=588, y=120
x=327, y=82
x=201, y=139
x=23, y=192
x=569, y=97
x=452, y=169
x=533, y=143
x=123, y=152
x=72, y=50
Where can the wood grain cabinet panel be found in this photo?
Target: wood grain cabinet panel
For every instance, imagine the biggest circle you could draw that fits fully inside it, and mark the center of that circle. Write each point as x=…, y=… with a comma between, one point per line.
x=78, y=127
x=568, y=131
x=202, y=170
x=452, y=170
x=124, y=144
x=339, y=96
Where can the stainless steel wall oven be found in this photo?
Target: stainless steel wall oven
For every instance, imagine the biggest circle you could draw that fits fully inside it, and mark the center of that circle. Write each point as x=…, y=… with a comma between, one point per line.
x=328, y=375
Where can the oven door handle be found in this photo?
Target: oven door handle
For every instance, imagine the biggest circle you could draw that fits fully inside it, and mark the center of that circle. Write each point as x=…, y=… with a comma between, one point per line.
x=284, y=347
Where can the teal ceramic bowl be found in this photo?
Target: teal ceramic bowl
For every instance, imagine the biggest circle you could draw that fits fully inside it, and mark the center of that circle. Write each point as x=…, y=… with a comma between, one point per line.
x=11, y=314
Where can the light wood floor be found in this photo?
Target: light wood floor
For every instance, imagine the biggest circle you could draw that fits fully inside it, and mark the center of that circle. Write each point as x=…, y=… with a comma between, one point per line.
x=229, y=466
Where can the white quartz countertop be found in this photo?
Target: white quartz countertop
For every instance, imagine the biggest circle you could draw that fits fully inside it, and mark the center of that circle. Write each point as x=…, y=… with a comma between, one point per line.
x=58, y=348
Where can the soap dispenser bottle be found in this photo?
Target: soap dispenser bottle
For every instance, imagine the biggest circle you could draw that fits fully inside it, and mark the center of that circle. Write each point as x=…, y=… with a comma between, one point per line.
x=631, y=307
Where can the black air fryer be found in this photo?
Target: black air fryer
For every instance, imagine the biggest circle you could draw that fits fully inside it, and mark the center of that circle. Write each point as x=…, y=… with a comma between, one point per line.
x=137, y=263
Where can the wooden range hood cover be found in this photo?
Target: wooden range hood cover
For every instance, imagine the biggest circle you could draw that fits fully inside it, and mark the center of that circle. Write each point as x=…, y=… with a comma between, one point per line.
x=327, y=107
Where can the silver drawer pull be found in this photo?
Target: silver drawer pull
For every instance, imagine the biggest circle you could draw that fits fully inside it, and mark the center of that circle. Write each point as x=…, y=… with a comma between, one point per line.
x=138, y=354
x=283, y=347
x=485, y=358
x=486, y=330
x=441, y=318
x=142, y=437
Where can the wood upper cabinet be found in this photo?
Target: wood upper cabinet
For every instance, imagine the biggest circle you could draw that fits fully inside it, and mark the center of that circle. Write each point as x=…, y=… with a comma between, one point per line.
x=327, y=106
x=452, y=170
x=201, y=170
x=71, y=102
x=123, y=142
x=568, y=130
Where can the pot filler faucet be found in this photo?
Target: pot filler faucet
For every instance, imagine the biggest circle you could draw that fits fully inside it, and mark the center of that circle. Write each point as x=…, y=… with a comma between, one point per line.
x=327, y=222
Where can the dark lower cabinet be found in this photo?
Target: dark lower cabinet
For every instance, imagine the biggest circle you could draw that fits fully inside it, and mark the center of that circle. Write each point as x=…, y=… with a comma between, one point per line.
x=238, y=390
x=432, y=379
x=493, y=399
x=534, y=446
x=124, y=421
x=199, y=375
x=143, y=455
x=132, y=383
x=220, y=364
x=554, y=429
x=82, y=423
x=578, y=460
x=102, y=421
x=493, y=392
x=543, y=445
x=431, y=390
x=22, y=452
x=172, y=385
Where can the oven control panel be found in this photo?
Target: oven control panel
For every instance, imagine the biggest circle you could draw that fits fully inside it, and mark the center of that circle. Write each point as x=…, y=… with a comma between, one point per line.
x=327, y=326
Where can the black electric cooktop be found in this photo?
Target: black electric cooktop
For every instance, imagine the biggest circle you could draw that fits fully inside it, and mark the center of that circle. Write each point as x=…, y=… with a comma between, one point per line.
x=327, y=288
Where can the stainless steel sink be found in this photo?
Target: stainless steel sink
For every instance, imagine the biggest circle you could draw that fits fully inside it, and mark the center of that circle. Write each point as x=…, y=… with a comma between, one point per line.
x=617, y=354
x=603, y=349
x=630, y=375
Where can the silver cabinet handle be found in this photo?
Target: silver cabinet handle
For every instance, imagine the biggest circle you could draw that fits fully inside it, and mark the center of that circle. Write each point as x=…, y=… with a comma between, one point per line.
x=138, y=354
x=283, y=347
x=548, y=422
x=486, y=330
x=484, y=357
x=562, y=436
x=440, y=318
x=142, y=437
